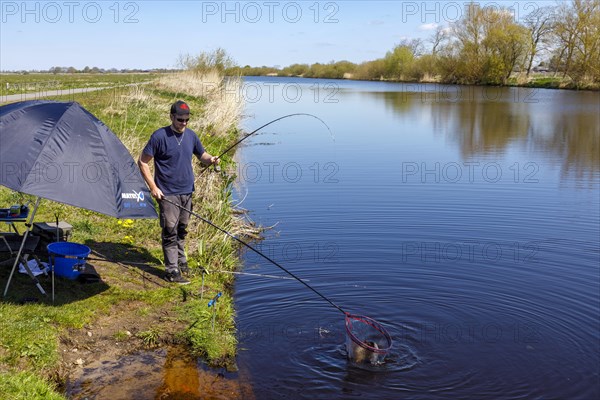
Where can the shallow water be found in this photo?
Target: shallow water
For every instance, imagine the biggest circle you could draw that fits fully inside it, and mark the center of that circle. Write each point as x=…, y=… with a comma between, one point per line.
x=156, y=374
x=464, y=219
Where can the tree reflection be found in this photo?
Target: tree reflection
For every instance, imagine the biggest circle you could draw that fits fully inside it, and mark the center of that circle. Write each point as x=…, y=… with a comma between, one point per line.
x=483, y=120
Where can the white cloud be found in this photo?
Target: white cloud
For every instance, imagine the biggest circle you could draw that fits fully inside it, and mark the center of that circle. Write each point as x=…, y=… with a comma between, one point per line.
x=324, y=44
x=428, y=27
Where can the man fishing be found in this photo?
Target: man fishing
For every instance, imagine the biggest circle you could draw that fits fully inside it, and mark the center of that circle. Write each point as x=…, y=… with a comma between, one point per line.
x=172, y=148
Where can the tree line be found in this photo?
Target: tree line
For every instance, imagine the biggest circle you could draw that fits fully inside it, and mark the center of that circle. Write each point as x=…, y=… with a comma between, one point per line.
x=485, y=46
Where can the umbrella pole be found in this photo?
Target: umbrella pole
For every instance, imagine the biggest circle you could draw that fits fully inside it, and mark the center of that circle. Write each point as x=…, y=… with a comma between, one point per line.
x=29, y=225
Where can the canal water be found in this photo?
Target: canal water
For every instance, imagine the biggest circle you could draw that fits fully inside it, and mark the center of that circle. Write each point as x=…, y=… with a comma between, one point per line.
x=463, y=219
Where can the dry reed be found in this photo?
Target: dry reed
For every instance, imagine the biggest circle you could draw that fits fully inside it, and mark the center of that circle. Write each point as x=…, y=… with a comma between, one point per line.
x=223, y=104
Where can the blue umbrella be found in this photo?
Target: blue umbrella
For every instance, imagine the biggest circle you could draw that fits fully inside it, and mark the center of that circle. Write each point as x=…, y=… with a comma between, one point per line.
x=60, y=151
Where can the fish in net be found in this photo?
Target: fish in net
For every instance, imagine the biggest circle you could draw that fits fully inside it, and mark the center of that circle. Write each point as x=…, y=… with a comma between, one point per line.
x=367, y=341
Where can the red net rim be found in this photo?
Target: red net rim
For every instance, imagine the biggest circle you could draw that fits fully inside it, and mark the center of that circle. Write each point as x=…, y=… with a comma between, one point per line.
x=375, y=325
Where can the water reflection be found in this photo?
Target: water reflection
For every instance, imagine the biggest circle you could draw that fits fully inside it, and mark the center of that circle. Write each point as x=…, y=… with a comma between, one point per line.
x=576, y=140
x=482, y=121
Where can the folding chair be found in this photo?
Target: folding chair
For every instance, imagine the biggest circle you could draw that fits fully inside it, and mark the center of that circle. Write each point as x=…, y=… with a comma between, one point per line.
x=23, y=245
x=10, y=243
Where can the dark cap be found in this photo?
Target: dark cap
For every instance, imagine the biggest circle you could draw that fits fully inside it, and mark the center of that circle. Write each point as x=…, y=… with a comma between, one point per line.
x=180, y=108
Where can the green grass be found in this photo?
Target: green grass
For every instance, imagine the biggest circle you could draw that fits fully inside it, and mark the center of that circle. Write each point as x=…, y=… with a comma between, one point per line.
x=15, y=385
x=212, y=339
x=35, y=82
x=151, y=337
x=31, y=334
x=546, y=82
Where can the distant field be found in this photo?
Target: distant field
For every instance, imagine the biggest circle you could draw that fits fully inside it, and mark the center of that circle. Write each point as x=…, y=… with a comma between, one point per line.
x=34, y=83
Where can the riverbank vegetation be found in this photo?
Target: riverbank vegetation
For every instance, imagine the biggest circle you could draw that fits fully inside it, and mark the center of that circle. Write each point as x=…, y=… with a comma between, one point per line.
x=43, y=344
x=554, y=46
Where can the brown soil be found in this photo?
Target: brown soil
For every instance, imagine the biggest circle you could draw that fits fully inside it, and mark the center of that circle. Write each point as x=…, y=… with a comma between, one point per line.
x=125, y=333
x=113, y=336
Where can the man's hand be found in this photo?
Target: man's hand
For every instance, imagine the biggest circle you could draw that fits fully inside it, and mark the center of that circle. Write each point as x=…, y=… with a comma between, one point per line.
x=157, y=193
x=208, y=159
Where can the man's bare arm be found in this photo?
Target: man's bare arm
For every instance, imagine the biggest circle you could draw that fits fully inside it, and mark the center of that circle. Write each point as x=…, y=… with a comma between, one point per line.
x=147, y=175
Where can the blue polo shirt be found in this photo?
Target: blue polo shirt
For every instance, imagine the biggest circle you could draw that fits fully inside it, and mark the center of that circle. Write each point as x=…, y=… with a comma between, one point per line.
x=172, y=155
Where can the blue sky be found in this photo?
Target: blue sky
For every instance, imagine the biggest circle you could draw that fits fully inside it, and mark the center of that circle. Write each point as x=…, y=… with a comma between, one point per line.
x=152, y=34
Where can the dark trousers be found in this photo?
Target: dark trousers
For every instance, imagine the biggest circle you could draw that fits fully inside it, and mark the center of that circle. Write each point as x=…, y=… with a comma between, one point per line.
x=173, y=222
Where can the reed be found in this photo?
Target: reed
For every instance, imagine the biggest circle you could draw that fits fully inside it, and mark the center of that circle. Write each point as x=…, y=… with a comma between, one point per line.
x=222, y=103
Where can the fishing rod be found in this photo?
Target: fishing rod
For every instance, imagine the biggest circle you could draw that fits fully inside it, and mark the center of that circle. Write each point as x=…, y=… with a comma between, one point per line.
x=256, y=251
x=264, y=126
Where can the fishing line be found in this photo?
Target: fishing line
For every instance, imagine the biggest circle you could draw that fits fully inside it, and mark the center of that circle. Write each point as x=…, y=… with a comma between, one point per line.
x=264, y=126
x=122, y=264
x=257, y=252
x=253, y=274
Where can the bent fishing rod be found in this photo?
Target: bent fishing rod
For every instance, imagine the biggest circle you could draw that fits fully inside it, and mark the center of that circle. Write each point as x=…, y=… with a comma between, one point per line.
x=264, y=126
x=254, y=250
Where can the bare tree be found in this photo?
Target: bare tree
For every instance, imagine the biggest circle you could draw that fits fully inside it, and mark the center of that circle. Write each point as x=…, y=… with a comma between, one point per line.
x=565, y=33
x=415, y=46
x=539, y=24
x=439, y=36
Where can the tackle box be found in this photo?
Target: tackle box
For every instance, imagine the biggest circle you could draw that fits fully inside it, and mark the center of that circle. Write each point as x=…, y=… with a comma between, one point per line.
x=48, y=231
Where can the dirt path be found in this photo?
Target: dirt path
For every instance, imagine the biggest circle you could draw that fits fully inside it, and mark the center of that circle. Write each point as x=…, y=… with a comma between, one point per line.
x=10, y=98
x=48, y=93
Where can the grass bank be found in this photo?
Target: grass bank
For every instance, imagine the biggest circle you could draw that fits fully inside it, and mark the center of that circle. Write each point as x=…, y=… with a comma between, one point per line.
x=43, y=344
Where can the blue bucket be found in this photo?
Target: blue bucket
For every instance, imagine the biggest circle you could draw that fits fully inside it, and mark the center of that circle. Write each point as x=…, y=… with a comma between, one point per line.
x=67, y=257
